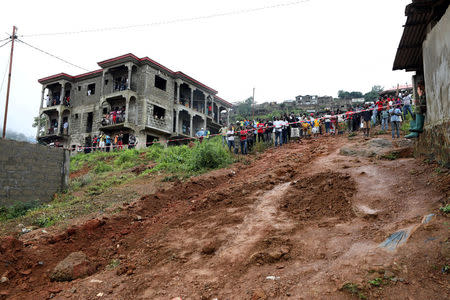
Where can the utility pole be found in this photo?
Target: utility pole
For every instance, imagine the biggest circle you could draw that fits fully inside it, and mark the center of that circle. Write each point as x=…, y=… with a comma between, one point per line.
x=253, y=105
x=13, y=37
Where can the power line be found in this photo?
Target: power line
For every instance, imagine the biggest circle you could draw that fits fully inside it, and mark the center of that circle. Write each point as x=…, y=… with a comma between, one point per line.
x=52, y=55
x=5, y=44
x=4, y=76
x=181, y=20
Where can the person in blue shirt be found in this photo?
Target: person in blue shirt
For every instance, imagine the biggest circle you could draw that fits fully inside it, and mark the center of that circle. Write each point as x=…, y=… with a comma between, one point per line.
x=200, y=134
x=395, y=114
x=107, y=142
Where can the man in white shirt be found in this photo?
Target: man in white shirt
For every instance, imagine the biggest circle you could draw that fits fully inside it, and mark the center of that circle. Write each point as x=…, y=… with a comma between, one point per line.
x=407, y=105
x=278, y=129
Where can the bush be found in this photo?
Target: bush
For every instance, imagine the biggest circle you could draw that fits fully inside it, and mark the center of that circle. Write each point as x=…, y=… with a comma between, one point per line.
x=127, y=159
x=102, y=167
x=17, y=210
x=154, y=152
x=80, y=182
x=209, y=155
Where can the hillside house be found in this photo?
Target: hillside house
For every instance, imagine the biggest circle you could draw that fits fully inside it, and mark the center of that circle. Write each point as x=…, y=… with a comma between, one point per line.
x=155, y=102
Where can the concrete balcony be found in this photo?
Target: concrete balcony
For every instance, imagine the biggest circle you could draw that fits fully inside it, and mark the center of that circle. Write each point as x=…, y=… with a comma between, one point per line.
x=127, y=94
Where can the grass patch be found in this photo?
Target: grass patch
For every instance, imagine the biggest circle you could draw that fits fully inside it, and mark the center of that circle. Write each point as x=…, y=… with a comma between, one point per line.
x=406, y=123
x=390, y=156
x=354, y=289
x=17, y=210
x=103, y=184
x=445, y=209
x=114, y=263
x=376, y=282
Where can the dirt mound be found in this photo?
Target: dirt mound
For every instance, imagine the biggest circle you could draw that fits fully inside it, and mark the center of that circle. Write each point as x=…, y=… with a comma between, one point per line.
x=325, y=194
x=271, y=250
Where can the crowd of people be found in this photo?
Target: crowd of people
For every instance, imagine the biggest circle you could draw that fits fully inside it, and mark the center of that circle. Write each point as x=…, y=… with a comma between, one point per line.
x=105, y=142
x=56, y=100
x=290, y=127
x=115, y=116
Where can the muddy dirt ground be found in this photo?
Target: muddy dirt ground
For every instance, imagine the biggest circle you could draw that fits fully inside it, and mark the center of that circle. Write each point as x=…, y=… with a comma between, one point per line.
x=299, y=222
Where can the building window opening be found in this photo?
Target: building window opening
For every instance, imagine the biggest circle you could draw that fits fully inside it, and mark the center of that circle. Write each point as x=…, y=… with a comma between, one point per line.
x=91, y=89
x=160, y=83
x=90, y=119
x=159, y=112
x=150, y=140
x=105, y=110
x=79, y=88
x=106, y=81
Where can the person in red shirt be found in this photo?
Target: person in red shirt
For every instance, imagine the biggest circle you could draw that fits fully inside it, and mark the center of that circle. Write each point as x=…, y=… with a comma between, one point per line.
x=379, y=104
x=243, y=138
x=260, y=131
x=349, y=117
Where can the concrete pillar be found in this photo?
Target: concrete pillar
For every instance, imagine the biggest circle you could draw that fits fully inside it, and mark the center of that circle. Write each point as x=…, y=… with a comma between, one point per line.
x=192, y=97
x=192, y=125
x=42, y=97
x=102, y=89
x=130, y=68
x=206, y=106
x=61, y=97
x=228, y=117
x=205, y=123
x=178, y=126
x=218, y=114
x=127, y=109
x=178, y=93
x=59, y=129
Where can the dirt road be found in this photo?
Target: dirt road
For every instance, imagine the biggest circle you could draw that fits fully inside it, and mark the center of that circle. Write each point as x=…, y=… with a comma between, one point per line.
x=299, y=222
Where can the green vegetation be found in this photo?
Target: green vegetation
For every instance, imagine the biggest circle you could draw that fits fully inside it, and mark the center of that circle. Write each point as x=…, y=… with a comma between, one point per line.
x=114, y=263
x=17, y=210
x=445, y=209
x=354, y=289
x=390, y=156
x=101, y=175
x=376, y=282
x=405, y=124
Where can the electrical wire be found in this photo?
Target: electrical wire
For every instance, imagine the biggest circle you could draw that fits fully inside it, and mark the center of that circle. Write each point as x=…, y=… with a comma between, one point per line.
x=181, y=20
x=52, y=55
x=5, y=44
x=5, y=39
x=4, y=76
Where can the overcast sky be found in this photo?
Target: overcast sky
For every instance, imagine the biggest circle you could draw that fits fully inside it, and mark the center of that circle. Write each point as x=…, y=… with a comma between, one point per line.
x=311, y=47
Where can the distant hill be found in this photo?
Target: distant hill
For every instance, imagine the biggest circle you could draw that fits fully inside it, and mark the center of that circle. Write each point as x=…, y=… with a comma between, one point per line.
x=17, y=136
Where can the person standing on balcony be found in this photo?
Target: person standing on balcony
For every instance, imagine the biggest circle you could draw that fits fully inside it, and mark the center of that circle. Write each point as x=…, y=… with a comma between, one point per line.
x=66, y=128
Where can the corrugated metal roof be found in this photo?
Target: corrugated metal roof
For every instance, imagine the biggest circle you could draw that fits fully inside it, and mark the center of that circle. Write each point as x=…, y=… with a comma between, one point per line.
x=409, y=52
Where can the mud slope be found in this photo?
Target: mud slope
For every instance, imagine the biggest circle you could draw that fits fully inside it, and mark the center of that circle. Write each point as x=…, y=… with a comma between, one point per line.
x=297, y=222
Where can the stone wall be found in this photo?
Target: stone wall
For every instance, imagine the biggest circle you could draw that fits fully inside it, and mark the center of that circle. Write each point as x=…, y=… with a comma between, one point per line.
x=435, y=141
x=31, y=172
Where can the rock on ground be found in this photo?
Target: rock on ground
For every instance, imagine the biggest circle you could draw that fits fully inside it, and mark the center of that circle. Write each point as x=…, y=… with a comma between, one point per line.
x=75, y=265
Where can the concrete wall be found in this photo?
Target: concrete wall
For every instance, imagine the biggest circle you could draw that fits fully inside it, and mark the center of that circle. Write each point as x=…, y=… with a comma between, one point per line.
x=436, y=63
x=31, y=172
x=435, y=141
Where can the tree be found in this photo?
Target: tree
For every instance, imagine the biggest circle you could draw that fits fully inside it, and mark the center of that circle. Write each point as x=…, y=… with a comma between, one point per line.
x=245, y=108
x=40, y=122
x=349, y=95
x=373, y=94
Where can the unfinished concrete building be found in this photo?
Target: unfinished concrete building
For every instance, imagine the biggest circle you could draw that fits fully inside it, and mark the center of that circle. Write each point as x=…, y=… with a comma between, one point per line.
x=128, y=95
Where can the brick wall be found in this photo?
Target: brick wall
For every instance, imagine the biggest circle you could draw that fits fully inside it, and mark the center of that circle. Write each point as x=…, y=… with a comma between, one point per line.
x=31, y=172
